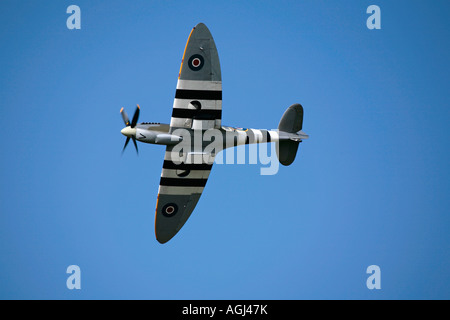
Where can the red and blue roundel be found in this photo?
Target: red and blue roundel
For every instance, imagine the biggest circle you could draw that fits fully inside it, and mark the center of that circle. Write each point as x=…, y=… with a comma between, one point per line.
x=169, y=210
x=196, y=62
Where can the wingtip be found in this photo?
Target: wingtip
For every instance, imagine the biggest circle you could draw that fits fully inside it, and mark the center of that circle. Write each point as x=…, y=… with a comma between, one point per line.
x=162, y=239
x=201, y=28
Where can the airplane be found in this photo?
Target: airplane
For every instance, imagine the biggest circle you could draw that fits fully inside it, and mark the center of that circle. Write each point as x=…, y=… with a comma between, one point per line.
x=197, y=111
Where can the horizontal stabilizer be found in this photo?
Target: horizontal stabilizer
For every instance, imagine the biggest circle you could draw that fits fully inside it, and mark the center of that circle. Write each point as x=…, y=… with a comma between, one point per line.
x=292, y=119
x=286, y=151
x=290, y=126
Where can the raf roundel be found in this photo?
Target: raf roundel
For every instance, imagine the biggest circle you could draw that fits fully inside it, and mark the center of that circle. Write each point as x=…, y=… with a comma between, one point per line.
x=169, y=210
x=196, y=62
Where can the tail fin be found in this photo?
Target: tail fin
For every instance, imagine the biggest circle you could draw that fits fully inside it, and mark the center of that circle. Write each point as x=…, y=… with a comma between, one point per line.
x=291, y=122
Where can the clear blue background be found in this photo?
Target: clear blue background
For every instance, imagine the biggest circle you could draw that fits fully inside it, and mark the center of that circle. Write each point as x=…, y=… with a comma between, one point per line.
x=370, y=186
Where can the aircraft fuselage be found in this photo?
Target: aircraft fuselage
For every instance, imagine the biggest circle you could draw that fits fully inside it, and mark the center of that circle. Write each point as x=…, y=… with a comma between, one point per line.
x=157, y=133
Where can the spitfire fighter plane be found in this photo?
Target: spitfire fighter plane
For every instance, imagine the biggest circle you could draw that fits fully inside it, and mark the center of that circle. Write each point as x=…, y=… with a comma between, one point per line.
x=197, y=109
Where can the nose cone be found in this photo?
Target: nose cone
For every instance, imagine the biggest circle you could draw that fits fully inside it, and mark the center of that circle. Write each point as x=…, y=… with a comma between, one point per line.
x=128, y=131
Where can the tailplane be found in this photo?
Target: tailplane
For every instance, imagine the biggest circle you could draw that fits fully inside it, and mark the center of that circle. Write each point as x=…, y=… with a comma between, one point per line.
x=289, y=128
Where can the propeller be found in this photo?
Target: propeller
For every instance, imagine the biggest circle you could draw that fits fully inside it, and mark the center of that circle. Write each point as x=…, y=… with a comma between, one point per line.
x=132, y=125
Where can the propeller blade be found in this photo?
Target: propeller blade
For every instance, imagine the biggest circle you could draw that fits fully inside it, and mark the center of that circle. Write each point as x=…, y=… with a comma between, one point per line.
x=126, y=142
x=125, y=118
x=135, y=117
x=132, y=125
x=135, y=144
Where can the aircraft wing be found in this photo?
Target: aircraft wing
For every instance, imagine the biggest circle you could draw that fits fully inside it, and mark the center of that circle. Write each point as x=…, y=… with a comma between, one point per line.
x=180, y=189
x=198, y=97
x=197, y=106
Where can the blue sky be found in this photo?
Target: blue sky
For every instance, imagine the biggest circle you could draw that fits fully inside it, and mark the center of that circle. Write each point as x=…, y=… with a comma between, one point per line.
x=370, y=186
